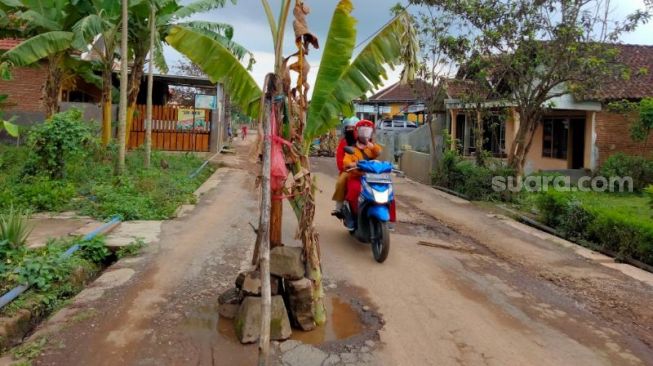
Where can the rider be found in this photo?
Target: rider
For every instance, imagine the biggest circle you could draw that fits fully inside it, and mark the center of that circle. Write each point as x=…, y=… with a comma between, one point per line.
x=364, y=149
x=348, y=139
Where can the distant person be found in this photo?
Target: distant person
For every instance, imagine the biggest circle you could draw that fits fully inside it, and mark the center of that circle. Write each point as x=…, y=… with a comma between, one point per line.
x=230, y=133
x=243, y=130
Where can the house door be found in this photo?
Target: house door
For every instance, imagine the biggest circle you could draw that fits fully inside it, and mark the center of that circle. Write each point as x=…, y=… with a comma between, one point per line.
x=460, y=132
x=577, y=138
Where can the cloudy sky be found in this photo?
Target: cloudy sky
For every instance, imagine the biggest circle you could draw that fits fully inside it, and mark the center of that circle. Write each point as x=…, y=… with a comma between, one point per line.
x=252, y=31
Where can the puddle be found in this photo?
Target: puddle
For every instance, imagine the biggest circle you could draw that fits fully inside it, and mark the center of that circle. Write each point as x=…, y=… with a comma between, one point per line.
x=343, y=322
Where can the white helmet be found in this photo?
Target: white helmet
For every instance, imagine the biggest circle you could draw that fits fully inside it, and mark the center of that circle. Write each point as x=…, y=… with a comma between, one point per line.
x=350, y=122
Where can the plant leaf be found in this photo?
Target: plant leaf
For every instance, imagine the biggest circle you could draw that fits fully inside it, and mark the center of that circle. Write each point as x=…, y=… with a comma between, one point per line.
x=200, y=6
x=38, y=47
x=11, y=128
x=335, y=59
x=220, y=65
x=366, y=73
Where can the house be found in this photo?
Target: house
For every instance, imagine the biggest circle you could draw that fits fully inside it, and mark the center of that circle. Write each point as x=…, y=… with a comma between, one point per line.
x=398, y=101
x=26, y=87
x=575, y=133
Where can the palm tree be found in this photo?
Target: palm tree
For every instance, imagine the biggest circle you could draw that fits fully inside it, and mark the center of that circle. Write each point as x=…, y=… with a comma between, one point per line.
x=340, y=80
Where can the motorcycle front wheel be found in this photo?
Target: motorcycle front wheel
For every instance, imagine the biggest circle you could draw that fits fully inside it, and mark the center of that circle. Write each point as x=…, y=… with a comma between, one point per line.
x=380, y=240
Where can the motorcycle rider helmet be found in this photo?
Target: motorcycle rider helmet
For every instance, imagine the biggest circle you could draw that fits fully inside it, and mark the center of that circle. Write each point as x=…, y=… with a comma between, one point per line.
x=364, y=130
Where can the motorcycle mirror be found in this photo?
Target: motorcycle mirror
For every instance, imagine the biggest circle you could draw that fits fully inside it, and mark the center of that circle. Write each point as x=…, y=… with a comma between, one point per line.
x=349, y=149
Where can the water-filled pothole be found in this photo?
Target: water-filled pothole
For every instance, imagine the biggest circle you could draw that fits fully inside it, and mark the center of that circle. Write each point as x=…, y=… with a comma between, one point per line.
x=343, y=322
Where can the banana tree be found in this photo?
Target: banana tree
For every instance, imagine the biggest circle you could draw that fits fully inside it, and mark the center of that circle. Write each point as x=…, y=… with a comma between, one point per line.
x=49, y=25
x=170, y=14
x=340, y=80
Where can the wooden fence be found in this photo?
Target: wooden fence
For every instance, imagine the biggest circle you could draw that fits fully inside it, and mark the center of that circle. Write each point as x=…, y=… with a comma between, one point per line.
x=171, y=133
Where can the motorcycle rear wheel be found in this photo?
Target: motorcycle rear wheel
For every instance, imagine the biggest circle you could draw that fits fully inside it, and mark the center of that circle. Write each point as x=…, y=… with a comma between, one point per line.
x=380, y=240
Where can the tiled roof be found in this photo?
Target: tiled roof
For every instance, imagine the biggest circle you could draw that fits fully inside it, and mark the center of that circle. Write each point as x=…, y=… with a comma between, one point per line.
x=639, y=59
x=9, y=43
x=415, y=91
x=462, y=89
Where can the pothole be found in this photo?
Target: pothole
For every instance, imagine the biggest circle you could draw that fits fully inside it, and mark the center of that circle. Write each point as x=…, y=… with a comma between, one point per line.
x=351, y=321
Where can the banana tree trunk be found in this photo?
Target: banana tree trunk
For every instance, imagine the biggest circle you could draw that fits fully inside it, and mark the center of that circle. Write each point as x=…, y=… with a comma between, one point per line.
x=134, y=88
x=120, y=166
x=52, y=90
x=107, y=87
x=150, y=86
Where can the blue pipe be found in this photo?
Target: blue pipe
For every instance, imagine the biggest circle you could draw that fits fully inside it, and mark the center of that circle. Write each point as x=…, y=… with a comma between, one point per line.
x=196, y=172
x=16, y=291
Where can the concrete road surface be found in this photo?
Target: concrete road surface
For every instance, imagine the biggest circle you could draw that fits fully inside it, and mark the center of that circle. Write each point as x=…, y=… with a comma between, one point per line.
x=461, y=287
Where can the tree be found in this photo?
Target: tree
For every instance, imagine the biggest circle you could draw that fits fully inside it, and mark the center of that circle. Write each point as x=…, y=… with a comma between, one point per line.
x=101, y=29
x=150, y=87
x=536, y=51
x=122, y=113
x=640, y=116
x=169, y=13
x=50, y=29
x=434, y=69
x=340, y=80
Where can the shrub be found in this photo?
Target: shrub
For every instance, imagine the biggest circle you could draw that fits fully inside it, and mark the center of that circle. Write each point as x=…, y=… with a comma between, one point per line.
x=576, y=220
x=552, y=206
x=623, y=235
x=649, y=193
x=469, y=179
x=42, y=194
x=638, y=168
x=65, y=136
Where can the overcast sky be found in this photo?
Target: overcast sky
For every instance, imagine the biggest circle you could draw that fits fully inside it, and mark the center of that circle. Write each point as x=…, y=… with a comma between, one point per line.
x=252, y=31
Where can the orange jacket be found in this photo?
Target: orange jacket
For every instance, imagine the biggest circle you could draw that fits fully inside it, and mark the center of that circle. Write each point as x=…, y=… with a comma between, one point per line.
x=370, y=153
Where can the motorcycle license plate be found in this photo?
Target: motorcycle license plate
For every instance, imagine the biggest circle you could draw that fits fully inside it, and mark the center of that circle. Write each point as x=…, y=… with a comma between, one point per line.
x=378, y=178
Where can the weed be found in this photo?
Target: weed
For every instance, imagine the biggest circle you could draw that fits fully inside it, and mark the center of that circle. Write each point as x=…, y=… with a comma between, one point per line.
x=30, y=350
x=94, y=250
x=132, y=249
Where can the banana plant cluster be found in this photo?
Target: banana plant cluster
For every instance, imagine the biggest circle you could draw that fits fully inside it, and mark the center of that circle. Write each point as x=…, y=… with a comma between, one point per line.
x=81, y=38
x=342, y=78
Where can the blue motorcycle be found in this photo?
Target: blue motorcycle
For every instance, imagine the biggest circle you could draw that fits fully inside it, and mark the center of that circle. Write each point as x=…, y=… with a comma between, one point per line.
x=366, y=214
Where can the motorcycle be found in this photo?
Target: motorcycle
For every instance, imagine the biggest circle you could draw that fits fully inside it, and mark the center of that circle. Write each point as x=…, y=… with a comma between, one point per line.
x=366, y=214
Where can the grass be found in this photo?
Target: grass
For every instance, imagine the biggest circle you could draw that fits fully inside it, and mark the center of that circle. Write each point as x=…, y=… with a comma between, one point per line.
x=632, y=205
x=90, y=187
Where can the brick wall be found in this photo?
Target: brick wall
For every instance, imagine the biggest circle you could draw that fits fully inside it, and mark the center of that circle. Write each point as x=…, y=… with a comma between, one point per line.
x=613, y=136
x=25, y=89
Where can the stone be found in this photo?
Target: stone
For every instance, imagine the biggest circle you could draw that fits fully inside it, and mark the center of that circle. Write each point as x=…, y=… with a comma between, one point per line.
x=300, y=303
x=288, y=345
x=248, y=320
x=348, y=357
x=370, y=343
x=286, y=262
x=304, y=355
x=229, y=302
x=250, y=283
x=366, y=308
x=332, y=360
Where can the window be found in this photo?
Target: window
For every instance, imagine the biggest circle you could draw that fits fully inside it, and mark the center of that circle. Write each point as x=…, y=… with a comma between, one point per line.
x=399, y=124
x=387, y=124
x=555, y=138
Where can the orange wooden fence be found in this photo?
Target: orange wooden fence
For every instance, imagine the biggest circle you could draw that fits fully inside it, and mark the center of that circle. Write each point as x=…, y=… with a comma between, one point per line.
x=168, y=132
